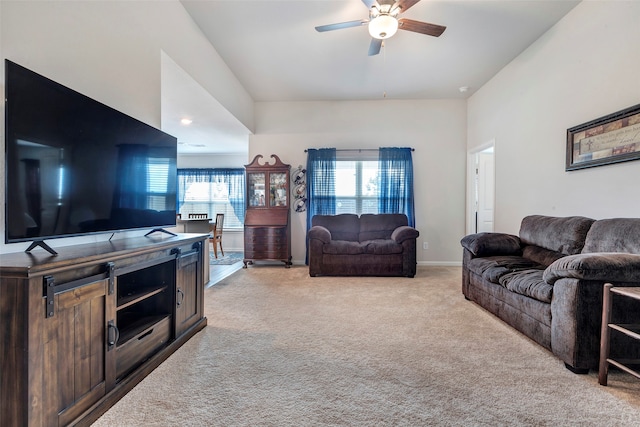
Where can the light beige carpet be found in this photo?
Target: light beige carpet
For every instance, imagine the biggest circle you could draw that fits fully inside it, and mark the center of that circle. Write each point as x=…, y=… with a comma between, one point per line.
x=284, y=349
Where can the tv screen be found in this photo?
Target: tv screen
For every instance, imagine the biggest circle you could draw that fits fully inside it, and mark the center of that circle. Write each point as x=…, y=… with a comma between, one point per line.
x=75, y=166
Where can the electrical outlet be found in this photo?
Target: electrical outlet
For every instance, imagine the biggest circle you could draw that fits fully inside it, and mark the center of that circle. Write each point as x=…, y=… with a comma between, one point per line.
x=425, y=245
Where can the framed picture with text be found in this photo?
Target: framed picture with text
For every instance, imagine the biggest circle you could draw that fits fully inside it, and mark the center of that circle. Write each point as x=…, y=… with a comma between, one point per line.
x=610, y=139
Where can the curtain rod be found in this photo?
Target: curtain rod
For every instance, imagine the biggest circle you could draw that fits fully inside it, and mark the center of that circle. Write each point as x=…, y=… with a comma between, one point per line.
x=359, y=149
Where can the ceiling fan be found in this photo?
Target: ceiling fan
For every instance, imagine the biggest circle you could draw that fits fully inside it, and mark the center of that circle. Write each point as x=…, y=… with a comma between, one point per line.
x=384, y=22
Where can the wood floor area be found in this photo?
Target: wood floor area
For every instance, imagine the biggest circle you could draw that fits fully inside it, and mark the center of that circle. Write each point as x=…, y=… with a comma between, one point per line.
x=219, y=272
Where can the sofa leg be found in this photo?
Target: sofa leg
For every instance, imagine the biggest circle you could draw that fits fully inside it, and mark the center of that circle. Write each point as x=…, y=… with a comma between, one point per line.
x=579, y=371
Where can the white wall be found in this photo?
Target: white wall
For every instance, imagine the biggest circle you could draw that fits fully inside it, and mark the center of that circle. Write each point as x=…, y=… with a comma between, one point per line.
x=212, y=161
x=435, y=128
x=585, y=67
x=111, y=51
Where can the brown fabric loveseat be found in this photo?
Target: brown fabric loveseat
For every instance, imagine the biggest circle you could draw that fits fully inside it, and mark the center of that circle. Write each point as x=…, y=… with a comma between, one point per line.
x=548, y=281
x=369, y=245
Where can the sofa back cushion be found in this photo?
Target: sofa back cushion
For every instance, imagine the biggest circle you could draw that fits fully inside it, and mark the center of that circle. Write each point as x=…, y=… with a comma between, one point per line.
x=380, y=226
x=614, y=235
x=559, y=234
x=341, y=227
x=540, y=255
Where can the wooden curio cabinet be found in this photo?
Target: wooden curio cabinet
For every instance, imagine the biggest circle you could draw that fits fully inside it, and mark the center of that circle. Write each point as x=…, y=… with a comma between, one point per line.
x=267, y=226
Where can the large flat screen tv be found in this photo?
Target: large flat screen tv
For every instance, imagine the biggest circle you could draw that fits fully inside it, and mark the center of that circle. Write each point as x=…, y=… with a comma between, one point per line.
x=75, y=166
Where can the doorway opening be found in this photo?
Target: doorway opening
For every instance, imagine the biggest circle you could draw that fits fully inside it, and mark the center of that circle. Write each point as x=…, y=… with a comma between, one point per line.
x=481, y=188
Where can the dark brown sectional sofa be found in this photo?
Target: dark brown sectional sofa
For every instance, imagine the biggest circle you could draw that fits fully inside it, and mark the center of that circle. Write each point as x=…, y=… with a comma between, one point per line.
x=548, y=281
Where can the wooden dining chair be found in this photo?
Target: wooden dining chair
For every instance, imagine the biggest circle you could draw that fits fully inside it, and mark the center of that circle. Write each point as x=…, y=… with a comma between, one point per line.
x=198, y=216
x=216, y=234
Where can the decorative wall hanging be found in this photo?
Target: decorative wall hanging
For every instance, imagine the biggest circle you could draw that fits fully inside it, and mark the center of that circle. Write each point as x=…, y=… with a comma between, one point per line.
x=610, y=139
x=299, y=188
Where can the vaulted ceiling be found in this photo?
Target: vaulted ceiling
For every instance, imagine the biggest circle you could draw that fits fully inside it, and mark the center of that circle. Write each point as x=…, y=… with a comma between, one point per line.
x=274, y=50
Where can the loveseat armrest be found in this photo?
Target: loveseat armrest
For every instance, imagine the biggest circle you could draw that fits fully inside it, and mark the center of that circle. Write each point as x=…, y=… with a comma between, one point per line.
x=491, y=244
x=321, y=233
x=597, y=266
x=403, y=233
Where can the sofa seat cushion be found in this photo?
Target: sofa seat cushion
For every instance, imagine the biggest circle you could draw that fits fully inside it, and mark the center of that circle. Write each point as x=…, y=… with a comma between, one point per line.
x=492, y=268
x=382, y=247
x=541, y=255
x=343, y=247
x=528, y=283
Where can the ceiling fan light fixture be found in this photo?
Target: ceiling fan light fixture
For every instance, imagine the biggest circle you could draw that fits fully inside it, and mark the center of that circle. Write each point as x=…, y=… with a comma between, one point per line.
x=383, y=26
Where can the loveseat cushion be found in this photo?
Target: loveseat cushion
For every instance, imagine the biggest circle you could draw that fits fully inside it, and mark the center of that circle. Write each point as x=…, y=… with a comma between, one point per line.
x=560, y=234
x=341, y=227
x=380, y=226
x=491, y=244
x=382, y=247
x=528, y=283
x=614, y=235
x=343, y=247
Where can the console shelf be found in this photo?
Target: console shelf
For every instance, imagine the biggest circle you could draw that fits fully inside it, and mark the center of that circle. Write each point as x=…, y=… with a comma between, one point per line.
x=142, y=294
x=104, y=314
x=137, y=326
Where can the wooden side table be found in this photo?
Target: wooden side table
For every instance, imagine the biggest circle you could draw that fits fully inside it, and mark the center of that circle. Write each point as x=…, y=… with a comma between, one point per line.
x=631, y=330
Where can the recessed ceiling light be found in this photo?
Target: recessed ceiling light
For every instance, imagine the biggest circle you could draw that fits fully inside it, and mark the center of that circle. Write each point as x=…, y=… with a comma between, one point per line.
x=186, y=121
x=463, y=89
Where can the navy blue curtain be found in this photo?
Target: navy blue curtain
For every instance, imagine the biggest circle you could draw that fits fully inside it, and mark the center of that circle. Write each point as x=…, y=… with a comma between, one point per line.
x=234, y=178
x=321, y=184
x=235, y=182
x=395, y=182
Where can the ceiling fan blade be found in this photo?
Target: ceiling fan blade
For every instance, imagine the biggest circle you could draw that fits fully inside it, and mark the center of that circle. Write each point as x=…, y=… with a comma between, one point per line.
x=374, y=47
x=341, y=25
x=421, y=27
x=404, y=5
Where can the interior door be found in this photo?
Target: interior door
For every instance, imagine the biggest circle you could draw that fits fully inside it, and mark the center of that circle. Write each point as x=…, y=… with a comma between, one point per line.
x=485, y=176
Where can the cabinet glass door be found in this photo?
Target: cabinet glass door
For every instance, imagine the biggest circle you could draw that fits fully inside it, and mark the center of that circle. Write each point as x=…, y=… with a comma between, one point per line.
x=255, y=189
x=278, y=189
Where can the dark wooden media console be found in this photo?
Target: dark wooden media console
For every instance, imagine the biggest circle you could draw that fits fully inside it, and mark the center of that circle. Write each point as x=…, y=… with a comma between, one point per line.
x=81, y=329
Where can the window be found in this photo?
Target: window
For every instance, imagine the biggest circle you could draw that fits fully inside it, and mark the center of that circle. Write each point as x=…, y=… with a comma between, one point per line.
x=357, y=186
x=158, y=182
x=213, y=191
x=360, y=182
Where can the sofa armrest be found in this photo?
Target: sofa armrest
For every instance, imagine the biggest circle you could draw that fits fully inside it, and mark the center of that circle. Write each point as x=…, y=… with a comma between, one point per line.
x=321, y=233
x=491, y=244
x=598, y=266
x=403, y=233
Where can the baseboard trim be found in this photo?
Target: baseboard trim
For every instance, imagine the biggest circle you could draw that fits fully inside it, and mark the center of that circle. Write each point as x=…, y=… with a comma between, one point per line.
x=440, y=263
x=420, y=263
